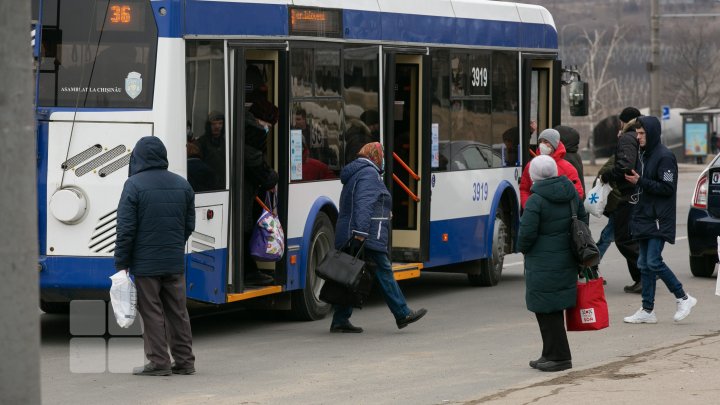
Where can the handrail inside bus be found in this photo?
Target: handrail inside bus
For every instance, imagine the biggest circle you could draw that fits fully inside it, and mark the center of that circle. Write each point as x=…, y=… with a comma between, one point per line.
x=404, y=187
x=406, y=167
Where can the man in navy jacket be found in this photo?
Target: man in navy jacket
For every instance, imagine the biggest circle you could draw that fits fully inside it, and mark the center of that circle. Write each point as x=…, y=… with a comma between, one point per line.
x=155, y=217
x=653, y=220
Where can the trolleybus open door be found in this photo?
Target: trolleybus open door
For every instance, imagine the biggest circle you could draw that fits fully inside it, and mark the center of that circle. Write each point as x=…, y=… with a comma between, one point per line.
x=407, y=151
x=540, y=86
x=256, y=72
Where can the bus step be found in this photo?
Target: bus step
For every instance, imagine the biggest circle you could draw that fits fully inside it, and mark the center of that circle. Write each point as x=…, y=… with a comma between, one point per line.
x=253, y=292
x=404, y=271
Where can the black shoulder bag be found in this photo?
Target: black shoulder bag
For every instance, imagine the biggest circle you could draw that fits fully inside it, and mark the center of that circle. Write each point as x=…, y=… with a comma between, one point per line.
x=348, y=280
x=341, y=267
x=582, y=243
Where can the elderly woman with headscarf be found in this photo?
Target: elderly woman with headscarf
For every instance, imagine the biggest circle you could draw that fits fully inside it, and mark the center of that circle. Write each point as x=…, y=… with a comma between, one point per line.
x=550, y=268
x=364, y=220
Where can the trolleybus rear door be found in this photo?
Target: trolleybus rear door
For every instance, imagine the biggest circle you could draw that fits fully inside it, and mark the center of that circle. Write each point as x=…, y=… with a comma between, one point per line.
x=407, y=149
x=540, y=98
x=255, y=70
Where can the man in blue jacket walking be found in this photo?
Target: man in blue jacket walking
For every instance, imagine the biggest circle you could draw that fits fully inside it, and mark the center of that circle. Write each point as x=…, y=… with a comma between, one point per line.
x=155, y=217
x=653, y=220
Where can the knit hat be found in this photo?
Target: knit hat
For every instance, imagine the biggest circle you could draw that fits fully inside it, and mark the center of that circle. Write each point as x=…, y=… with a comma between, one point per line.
x=542, y=167
x=265, y=110
x=215, y=116
x=374, y=152
x=551, y=135
x=628, y=113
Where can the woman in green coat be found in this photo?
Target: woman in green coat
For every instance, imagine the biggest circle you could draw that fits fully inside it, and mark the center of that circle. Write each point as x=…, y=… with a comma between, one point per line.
x=550, y=268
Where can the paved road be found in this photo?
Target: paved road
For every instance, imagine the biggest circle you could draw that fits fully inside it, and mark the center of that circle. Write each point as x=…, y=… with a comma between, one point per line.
x=473, y=342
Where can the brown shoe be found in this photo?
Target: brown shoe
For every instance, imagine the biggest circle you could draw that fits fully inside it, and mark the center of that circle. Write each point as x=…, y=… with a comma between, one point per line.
x=182, y=370
x=151, y=369
x=635, y=288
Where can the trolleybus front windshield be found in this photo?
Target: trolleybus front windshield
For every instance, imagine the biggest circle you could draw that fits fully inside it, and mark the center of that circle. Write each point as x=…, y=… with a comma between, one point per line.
x=97, y=53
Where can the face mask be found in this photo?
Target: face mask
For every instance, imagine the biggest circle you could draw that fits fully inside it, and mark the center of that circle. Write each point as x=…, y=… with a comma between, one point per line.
x=545, y=150
x=267, y=129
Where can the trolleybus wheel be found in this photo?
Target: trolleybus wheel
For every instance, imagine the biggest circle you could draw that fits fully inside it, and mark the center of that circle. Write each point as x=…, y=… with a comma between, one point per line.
x=306, y=304
x=491, y=268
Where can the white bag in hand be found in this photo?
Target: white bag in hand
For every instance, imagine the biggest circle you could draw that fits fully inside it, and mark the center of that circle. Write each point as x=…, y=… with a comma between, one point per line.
x=123, y=298
x=596, y=199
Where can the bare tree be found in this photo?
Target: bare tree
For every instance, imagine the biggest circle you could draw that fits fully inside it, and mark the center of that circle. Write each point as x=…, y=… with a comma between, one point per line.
x=693, y=78
x=599, y=49
x=604, y=90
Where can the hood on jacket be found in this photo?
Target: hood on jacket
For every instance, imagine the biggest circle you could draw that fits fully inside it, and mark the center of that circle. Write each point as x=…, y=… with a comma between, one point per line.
x=559, y=152
x=570, y=137
x=555, y=189
x=149, y=153
x=355, y=166
x=255, y=134
x=652, y=130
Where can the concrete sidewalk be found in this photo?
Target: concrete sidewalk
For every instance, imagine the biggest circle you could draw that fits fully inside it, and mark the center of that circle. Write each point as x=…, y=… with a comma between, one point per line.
x=683, y=372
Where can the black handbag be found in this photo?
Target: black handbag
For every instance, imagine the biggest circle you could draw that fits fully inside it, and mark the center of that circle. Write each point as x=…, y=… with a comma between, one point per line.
x=582, y=243
x=342, y=268
x=333, y=293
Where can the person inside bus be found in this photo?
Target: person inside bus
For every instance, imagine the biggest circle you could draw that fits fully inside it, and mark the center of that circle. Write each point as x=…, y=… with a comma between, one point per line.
x=357, y=135
x=549, y=144
x=300, y=122
x=511, y=139
x=199, y=174
x=212, y=147
x=371, y=118
x=258, y=178
x=313, y=169
x=364, y=221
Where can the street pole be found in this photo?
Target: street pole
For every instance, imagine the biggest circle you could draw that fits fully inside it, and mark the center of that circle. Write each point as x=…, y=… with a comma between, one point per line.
x=19, y=313
x=654, y=65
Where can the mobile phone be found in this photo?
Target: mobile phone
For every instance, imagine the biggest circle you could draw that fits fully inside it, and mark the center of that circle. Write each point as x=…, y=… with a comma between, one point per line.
x=629, y=172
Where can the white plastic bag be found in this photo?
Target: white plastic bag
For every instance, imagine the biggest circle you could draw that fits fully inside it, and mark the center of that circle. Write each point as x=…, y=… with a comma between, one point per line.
x=123, y=298
x=596, y=199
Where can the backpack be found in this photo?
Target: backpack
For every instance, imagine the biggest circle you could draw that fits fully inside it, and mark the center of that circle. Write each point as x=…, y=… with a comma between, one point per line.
x=582, y=243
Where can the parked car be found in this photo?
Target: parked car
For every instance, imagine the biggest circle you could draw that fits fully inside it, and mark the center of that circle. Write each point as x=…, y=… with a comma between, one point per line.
x=703, y=224
x=468, y=155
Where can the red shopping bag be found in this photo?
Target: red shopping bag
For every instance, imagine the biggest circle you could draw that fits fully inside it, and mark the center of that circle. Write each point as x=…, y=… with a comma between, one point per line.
x=591, y=310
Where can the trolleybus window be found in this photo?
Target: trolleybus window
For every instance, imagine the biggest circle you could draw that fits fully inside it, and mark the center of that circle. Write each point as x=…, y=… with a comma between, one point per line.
x=97, y=53
x=317, y=106
x=361, y=96
x=475, y=109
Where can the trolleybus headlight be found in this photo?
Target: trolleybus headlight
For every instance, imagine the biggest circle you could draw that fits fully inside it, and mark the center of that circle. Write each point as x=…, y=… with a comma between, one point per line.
x=68, y=205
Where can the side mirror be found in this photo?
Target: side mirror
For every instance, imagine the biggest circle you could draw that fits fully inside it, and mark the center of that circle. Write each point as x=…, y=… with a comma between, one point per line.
x=578, y=98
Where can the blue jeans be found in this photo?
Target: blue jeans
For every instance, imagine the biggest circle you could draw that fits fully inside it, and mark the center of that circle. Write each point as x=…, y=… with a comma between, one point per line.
x=651, y=264
x=390, y=289
x=607, y=236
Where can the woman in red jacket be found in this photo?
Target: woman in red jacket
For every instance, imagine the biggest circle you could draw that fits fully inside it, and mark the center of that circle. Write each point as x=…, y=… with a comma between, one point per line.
x=549, y=144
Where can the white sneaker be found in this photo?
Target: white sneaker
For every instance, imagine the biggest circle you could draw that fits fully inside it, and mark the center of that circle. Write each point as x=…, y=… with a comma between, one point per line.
x=684, y=307
x=641, y=316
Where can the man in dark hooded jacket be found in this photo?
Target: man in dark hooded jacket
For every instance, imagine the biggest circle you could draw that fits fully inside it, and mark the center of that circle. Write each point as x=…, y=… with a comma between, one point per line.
x=571, y=139
x=155, y=217
x=624, y=160
x=258, y=177
x=653, y=220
